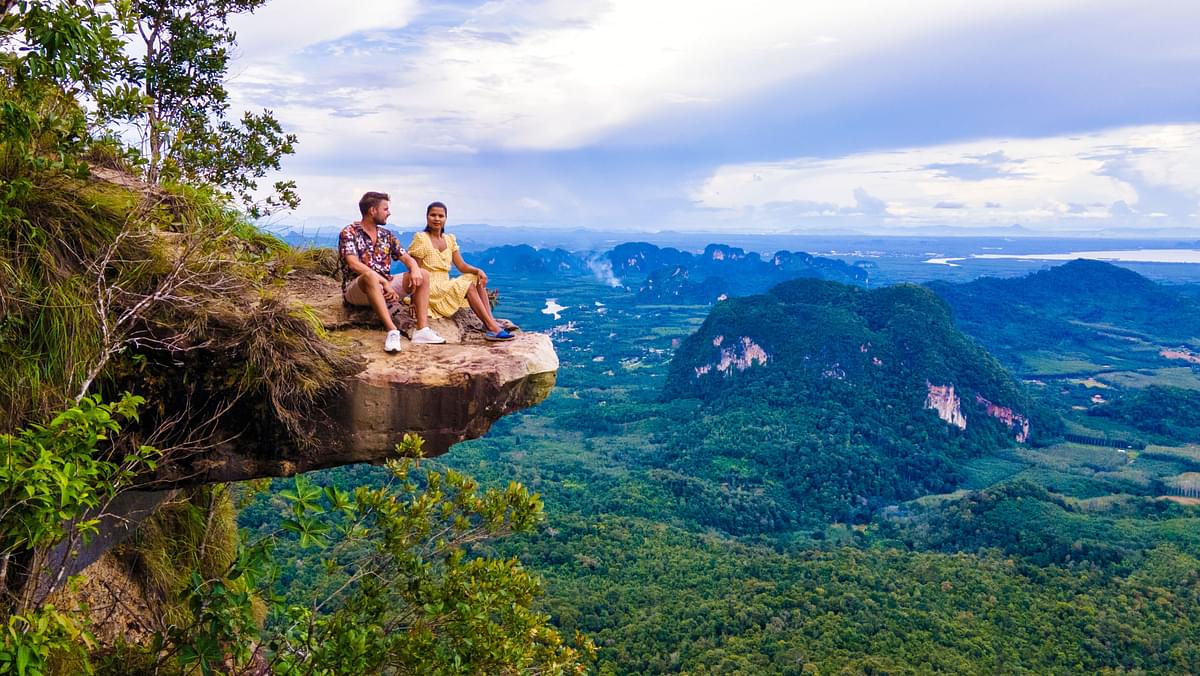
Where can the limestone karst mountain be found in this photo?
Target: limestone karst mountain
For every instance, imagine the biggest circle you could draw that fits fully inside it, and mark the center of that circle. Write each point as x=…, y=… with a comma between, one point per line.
x=667, y=275
x=822, y=400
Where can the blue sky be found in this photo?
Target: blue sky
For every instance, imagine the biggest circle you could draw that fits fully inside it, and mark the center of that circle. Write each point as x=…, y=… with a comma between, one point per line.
x=1062, y=116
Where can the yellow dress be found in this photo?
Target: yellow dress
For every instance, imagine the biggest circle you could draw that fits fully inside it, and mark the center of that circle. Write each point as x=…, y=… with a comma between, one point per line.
x=446, y=295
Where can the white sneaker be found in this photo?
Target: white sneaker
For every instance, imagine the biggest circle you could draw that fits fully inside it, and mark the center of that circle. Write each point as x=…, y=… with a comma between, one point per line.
x=427, y=336
x=392, y=342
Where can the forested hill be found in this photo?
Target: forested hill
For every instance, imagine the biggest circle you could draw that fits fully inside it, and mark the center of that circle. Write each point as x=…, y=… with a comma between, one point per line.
x=822, y=400
x=1081, y=304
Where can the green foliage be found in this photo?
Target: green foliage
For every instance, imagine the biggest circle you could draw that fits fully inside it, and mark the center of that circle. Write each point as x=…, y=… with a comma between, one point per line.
x=224, y=626
x=54, y=481
x=661, y=599
x=407, y=587
x=30, y=642
x=52, y=475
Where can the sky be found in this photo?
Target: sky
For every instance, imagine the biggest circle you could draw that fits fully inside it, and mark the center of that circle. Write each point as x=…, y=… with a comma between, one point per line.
x=1048, y=116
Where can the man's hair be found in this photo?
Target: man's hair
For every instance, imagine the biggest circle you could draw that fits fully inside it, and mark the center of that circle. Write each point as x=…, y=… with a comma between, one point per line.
x=371, y=200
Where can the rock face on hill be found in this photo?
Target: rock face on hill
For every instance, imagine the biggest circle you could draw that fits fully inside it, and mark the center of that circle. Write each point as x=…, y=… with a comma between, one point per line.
x=445, y=393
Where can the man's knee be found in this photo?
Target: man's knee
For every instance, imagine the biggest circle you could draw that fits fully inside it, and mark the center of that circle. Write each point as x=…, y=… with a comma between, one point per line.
x=402, y=284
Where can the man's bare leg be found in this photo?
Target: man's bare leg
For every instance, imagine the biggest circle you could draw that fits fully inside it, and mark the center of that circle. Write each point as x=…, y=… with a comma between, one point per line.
x=378, y=302
x=420, y=296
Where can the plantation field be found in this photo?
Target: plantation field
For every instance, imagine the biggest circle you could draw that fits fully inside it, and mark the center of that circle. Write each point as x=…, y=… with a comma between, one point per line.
x=1179, y=376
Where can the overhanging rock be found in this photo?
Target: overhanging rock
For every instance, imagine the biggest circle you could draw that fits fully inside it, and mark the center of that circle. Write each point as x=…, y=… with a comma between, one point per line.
x=444, y=393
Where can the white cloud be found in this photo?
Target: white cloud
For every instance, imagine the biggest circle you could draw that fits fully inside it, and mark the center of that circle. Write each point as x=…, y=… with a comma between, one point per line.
x=531, y=203
x=436, y=100
x=284, y=26
x=1040, y=181
x=553, y=74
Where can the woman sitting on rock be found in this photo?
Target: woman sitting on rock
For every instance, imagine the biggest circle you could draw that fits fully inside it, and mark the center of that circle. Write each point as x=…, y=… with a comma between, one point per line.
x=435, y=251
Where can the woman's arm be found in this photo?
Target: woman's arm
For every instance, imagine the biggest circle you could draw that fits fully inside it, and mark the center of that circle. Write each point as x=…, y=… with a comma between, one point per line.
x=468, y=269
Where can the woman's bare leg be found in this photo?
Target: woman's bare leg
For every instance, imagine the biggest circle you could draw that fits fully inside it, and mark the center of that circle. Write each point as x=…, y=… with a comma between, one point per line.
x=481, y=288
x=482, y=308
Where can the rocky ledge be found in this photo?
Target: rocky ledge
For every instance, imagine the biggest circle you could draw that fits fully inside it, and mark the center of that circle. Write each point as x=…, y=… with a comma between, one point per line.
x=445, y=393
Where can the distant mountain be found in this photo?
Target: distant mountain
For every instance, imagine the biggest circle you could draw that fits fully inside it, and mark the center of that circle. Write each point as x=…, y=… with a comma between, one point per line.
x=669, y=275
x=823, y=400
x=1083, y=305
x=644, y=258
x=523, y=259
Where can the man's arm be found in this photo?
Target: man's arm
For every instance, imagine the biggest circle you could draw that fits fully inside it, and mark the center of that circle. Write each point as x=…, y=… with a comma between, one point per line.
x=361, y=268
x=415, y=273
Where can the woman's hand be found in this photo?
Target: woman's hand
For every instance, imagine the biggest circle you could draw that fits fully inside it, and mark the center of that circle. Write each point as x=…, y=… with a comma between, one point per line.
x=483, y=278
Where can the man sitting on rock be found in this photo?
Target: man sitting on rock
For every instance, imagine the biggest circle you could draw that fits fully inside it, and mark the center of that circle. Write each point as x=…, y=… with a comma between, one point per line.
x=366, y=250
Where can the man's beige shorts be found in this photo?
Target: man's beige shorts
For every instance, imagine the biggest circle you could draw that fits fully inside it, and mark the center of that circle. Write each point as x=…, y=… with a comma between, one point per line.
x=354, y=295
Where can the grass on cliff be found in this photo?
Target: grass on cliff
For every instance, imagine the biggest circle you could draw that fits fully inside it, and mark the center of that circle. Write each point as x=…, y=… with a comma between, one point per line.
x=195, y=532
x=186, y=274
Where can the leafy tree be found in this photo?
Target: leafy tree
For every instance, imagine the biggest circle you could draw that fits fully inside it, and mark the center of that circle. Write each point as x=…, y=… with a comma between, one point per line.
x=407, y=586
x=185, y=49
x=52, y=54
x=56, y=55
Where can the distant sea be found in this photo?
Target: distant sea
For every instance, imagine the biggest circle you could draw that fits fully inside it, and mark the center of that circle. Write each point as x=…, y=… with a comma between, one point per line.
x=1113, y=256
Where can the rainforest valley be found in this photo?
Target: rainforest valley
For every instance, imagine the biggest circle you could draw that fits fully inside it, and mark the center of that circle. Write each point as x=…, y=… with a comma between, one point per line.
x=766, y=484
